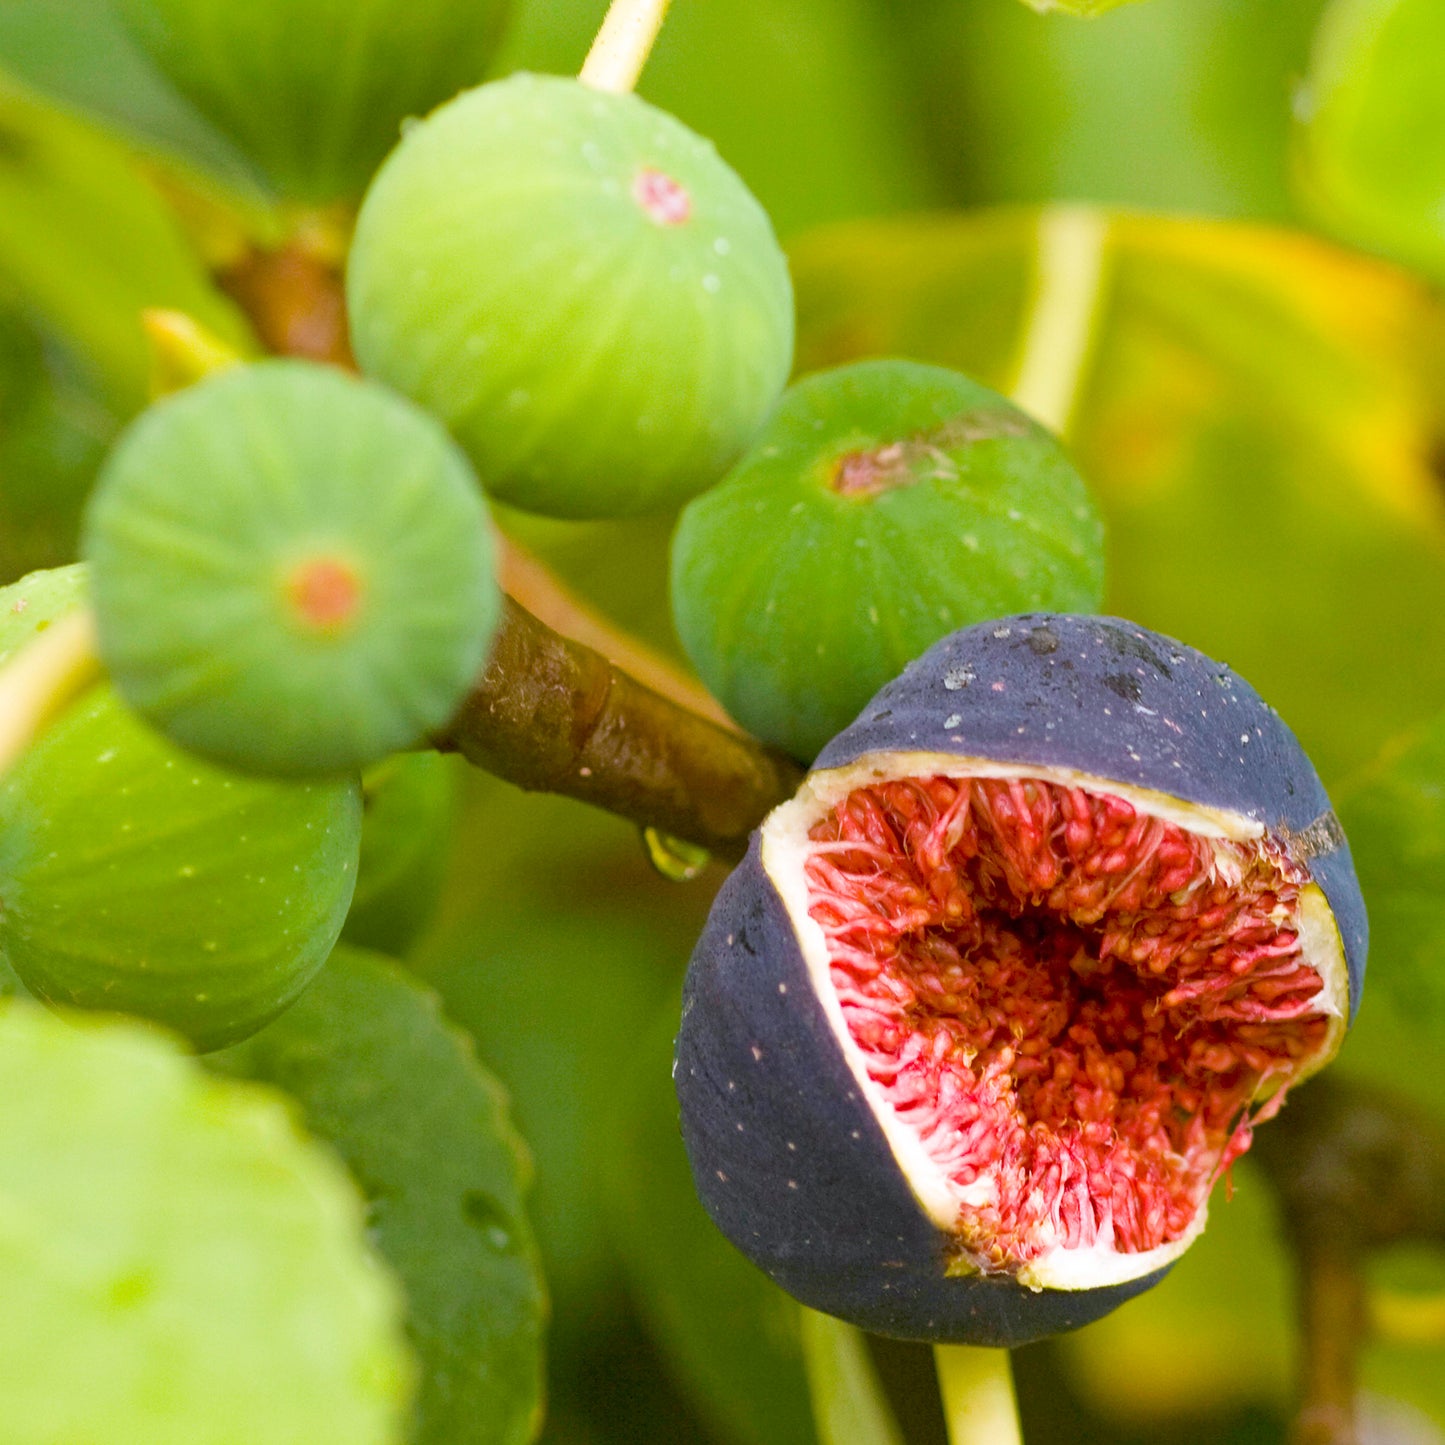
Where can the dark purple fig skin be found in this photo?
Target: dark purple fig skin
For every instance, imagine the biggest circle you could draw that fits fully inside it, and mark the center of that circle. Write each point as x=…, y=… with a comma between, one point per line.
x=831, y=1220
x=787, y=1157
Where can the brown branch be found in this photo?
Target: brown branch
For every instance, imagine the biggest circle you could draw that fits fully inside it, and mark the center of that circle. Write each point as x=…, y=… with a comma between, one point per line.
x=552, y=715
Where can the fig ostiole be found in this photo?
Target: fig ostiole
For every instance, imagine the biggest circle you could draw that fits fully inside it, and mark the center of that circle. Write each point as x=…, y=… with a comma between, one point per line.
x=993, y=1003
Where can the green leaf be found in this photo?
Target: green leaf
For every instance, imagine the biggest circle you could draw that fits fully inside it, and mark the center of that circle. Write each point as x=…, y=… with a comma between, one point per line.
x=555, y=948
x=181, y=1266
x=86, y=244
x=1256, y=417
x=381, y=1076
x=1181, y=105
x=1393, y=812
x=848, y=1399
x=1371, y=143
x=78, y=53
x=729, y=1334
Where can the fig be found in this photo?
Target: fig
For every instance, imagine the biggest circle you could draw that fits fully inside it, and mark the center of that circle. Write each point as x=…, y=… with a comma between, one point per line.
x=580, y=288
x=136, y=879
x=292, y=570
x=885, y=505
x=314, y=91
x=996, y=999
x=182, y=1266
x=1370, y=143
x=407, y=803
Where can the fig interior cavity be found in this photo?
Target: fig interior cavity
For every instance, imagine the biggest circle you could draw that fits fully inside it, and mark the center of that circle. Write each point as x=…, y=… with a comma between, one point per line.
x=1066, y=1009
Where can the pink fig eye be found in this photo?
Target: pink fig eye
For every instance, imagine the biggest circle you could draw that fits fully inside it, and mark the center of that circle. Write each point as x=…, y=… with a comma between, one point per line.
x=664, y=199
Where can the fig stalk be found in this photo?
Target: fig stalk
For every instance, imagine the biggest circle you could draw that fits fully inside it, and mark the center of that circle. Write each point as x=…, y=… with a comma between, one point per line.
x=629, y=30
x=978, y=1395
x=549, y=714
x=1058, y=340
x=43, y=678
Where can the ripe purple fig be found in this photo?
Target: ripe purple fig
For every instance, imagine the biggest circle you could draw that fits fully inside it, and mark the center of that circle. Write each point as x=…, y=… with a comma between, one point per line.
x=993, y=1002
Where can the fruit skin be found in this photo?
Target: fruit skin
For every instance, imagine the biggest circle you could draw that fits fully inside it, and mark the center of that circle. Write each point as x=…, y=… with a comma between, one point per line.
x=800, y=585
x=592, y=360
x=217, y=500
x=315, y=91
x=833, y=1220
x=136, y=879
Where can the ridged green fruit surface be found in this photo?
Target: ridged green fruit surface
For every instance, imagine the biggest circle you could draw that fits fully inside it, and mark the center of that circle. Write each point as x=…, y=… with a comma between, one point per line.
x=136, y=879
x=578, y=285
x=886, y=505
x=314, y=91
x=292, y=570
x=181, y=1265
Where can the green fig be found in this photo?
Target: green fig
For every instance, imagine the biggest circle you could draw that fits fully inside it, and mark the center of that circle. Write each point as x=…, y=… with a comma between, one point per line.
x=886, y=505
x=292, y=570
x=135, y=878
x=580, y=288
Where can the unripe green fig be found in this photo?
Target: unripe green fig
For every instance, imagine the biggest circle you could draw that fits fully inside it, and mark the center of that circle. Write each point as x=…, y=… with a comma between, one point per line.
x=315, y=91
x=580, y=288
x=887, y=504
x=292, y=570
x=182, y=1266
x=135, y=878
x=407, y=803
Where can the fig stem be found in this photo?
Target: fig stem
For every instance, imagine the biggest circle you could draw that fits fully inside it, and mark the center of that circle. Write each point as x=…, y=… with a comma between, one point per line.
x=979, y=1404
x=45, y=676
x=623, y=44
x=552, y=715
x=1070, y=271
x=849, y=1405
x=182, y=351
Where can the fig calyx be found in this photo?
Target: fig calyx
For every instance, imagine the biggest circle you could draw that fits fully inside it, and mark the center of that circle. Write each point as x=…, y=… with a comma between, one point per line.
x=995, y=1000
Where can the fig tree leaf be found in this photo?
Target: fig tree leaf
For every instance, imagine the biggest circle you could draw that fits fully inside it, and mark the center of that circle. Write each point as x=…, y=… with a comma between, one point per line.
x=555, y=948
x=181, y=1266
x=1259, y=417
x=1371, y=138
x=1181, y=105
x=398, y=1093
x=79, y=54
x=86, y=243
x=1393, y=813
x=729, y=1334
